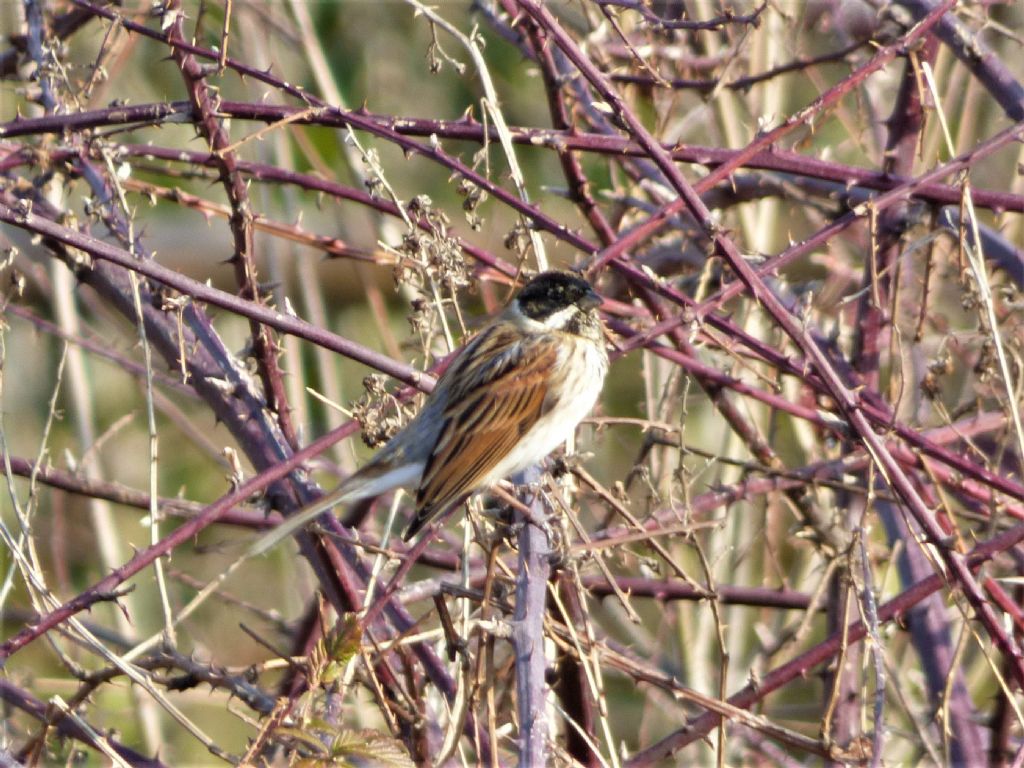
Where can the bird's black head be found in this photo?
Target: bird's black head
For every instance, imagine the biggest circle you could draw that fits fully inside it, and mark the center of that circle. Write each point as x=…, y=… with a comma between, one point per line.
x=552, y=292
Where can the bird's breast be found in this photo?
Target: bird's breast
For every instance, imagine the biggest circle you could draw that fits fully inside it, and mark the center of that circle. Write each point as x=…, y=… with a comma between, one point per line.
x=575, y=384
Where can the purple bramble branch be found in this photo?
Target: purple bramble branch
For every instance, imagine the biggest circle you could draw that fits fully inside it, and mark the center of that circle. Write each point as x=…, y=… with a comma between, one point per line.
x=338, y=569
x=533, y=572
x=804, y=663
x=833, y=422
x=203, y=102
x=848, y=402
x=69, y=727
x=202, y=292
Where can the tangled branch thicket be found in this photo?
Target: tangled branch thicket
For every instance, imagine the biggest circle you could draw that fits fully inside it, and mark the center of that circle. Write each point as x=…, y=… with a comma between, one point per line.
x=233, y=244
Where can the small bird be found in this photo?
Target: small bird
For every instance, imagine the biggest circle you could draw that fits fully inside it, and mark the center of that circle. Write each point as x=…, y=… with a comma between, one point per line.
x=508, y=399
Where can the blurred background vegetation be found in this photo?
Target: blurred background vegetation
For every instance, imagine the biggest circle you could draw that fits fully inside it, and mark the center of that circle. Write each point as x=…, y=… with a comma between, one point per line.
x=85, y=413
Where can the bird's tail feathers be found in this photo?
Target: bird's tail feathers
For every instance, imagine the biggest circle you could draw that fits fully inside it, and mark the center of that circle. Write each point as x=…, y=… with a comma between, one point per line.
x=372, y=480
x=375, y=479
x=421, y=518
x=424, y=515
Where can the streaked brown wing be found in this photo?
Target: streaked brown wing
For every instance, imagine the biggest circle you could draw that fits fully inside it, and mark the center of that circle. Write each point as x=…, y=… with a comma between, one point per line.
x=485, y=418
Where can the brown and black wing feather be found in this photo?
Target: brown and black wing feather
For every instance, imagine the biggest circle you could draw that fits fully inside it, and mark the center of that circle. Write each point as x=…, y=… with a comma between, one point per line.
x=486, y=416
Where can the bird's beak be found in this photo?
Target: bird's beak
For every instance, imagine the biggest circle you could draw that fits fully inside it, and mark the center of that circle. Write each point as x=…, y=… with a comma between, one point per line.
x=590, y=300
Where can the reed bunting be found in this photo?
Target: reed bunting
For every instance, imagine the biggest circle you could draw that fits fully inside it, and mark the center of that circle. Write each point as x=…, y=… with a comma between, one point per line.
x=508, y=399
